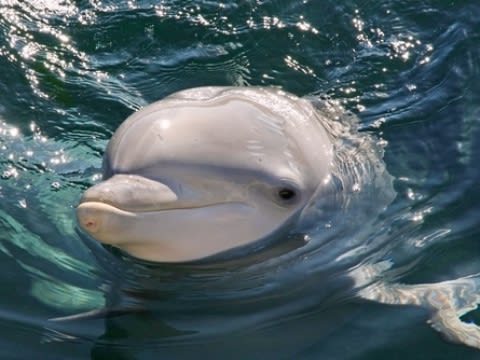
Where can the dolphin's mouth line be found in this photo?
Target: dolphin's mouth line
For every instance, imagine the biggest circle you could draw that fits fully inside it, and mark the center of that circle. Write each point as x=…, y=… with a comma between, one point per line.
x=93, y=215
x=162, y=209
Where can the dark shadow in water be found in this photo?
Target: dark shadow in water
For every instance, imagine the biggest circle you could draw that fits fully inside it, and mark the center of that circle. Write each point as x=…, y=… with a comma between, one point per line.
x=275, y=326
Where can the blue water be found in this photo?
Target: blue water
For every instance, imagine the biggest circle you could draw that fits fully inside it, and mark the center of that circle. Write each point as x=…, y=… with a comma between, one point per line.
x=72, y=71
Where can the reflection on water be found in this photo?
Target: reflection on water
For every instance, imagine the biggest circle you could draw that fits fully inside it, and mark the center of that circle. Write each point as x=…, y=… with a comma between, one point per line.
x=72, y=71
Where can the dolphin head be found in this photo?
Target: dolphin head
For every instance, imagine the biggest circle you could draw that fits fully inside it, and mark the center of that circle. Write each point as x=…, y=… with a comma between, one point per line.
x=207, y=170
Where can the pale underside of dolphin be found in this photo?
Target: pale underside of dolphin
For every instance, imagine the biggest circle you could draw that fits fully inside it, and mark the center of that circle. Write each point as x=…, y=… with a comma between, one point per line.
x=214, y=169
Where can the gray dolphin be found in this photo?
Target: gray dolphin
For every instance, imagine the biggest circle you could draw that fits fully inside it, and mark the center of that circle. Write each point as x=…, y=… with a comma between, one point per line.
x=211, y=169
x=207, y=170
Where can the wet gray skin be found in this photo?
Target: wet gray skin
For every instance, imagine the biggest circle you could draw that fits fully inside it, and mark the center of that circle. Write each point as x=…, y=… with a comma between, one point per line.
x=212, y=169
x=207, y=170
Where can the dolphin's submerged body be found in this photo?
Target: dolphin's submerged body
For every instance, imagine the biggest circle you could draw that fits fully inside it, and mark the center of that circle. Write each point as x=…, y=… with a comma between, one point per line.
x=208, y=171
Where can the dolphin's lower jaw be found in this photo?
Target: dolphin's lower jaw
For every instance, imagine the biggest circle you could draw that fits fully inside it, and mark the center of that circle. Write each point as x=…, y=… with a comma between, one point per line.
x=146, y=234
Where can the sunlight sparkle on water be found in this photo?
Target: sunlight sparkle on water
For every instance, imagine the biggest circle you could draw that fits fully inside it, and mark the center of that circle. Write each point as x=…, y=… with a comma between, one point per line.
x=426, y=240
x=23, y=203
x=401, y=48
x=55, y=185
x=425, y=60
x=269, y=22
x=58, y=158
x=295, y=64
x=29, y=50
x=417, y=217
x=305, y=26
x=327, y=179
x=13, y=132
x=11, y=172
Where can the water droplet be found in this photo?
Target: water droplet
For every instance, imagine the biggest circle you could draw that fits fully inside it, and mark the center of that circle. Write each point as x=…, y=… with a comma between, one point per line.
x=12, y=172
x=56, y=185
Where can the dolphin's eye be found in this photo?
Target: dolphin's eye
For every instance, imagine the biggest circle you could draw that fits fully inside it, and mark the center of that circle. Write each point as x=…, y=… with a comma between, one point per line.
x=286, y=193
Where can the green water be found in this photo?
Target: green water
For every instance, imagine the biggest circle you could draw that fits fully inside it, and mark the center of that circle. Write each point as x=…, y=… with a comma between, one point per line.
x=72, y=71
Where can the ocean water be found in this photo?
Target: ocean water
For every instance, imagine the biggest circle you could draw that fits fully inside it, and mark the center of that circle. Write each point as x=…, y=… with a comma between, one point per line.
x=72, y=71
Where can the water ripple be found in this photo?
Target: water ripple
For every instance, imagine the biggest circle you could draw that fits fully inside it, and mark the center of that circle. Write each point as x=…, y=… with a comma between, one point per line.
x=73, y=70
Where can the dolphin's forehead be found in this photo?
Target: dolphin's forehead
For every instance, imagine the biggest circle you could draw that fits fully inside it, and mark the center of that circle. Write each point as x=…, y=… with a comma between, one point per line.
x=231, y=131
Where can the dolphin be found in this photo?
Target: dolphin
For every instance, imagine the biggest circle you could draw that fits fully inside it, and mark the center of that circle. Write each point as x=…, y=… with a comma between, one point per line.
x=207, y=170
x=210, y=170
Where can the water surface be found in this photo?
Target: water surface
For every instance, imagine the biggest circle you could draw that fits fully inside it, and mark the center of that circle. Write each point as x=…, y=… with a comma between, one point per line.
x=72, y=71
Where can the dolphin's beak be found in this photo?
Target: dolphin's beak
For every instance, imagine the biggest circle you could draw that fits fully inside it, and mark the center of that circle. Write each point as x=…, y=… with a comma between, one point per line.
x=124, y=194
